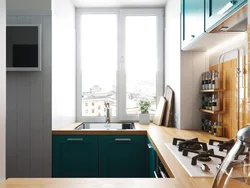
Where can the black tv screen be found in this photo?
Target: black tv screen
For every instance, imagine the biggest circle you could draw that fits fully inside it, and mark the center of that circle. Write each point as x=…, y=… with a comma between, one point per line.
x=25, y=55
x=23, y=47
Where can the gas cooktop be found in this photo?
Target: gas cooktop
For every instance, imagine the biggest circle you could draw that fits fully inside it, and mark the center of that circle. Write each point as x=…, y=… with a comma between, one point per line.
x=200, y=159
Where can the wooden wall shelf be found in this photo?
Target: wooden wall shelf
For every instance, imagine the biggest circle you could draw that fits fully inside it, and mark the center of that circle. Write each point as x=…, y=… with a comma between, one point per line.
x=211, y=112
x=212, y=90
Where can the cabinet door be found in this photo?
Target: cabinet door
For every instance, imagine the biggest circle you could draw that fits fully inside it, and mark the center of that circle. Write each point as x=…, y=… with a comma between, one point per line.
x=213, y=11
x=151, y=160
x=193, y=16
x=75, y=156
x=123, y=156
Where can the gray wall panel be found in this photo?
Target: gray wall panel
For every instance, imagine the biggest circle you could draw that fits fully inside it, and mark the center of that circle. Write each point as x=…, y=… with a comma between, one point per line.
x=29, y=111
x=23, y=19
x=11, y=19
x=36, y=117
x=23, y=128
x=47, y=97
x=11, y=128
x=36, y=124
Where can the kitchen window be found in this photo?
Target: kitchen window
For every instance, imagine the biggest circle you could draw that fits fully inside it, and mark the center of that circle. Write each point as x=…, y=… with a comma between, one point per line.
x=119, y=60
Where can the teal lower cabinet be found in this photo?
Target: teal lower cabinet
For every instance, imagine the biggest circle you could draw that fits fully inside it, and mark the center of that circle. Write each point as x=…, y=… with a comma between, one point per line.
x=151, y=160
x=75, y=156
x=123, y=156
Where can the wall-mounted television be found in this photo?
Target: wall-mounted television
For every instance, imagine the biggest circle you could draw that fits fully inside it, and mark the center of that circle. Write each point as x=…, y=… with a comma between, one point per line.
x=23, y=47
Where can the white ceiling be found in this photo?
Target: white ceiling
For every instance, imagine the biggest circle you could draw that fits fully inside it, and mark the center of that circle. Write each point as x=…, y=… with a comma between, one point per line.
x=119, y=3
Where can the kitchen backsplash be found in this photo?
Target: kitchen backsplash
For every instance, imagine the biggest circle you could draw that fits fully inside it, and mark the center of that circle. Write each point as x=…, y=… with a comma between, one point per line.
x=234, y=113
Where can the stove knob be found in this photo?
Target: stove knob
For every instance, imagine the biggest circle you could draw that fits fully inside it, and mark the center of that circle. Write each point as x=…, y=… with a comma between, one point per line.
x=205, y=168
x=218, y=166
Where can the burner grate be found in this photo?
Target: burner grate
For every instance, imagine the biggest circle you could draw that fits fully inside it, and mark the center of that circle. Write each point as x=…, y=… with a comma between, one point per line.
x=223, y=145
x=192, y=144
x=202, y=155
x=204, y=159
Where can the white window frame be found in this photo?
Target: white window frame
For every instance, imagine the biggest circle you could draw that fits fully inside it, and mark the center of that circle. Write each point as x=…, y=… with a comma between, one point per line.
x=121, y=75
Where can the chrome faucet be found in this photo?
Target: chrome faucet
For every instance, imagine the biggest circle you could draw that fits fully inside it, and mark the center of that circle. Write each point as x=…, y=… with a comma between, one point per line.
x=107, y=112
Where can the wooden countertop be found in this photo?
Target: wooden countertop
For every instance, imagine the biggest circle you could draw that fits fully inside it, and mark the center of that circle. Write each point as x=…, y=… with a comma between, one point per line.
x=158, y=135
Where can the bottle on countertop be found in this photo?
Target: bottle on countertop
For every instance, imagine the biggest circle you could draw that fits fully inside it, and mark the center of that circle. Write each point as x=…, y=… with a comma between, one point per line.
x=219, y=129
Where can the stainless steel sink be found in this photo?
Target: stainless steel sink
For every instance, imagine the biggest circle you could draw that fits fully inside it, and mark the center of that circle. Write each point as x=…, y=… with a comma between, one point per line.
x=106, y=126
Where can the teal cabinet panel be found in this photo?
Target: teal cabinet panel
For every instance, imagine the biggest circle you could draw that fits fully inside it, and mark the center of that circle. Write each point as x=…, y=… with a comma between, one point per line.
x=123, y=156
x=213, y=11
x=151, y=160
x=193, y=16
x=75, y=156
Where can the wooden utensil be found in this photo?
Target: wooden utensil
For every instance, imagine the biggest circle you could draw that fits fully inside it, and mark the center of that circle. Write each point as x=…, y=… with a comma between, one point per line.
x=169, y=95
x=160, y=111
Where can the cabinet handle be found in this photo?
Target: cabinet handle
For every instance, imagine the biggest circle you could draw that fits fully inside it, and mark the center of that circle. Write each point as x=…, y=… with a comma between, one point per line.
x=149, y=146
x=192, y=36
x=75, y=139
x=123, y=140
x=163, y=174
x=155, y=174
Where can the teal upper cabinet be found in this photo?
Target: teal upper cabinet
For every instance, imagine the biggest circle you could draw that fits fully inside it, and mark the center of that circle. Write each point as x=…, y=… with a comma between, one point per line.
x=75, y=156
x=193, y=16
x=123, y=156
x=219, y=10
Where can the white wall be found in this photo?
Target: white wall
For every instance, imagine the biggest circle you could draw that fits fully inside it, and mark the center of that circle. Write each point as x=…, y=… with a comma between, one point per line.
x=2, y=89
x=63, y=63
x=28, y=5
x=182, y=71
x=239, y=41
x=193, y=64
x=173, y=54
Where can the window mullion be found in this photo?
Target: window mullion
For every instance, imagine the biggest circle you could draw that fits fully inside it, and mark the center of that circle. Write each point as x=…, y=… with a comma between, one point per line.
x=121, y=67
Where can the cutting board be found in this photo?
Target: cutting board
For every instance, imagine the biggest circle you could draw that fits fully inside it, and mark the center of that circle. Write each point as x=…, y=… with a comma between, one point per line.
x=169, y=95
x=160, y=111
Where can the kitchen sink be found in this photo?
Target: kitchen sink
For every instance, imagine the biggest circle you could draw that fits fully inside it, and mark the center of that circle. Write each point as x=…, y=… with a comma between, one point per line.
x=106, y=126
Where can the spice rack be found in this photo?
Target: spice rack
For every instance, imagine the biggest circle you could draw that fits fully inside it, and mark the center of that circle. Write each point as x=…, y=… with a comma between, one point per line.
x=219, y=93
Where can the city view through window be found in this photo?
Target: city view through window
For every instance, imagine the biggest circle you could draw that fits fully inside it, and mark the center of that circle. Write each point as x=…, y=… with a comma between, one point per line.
x=99, y=63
